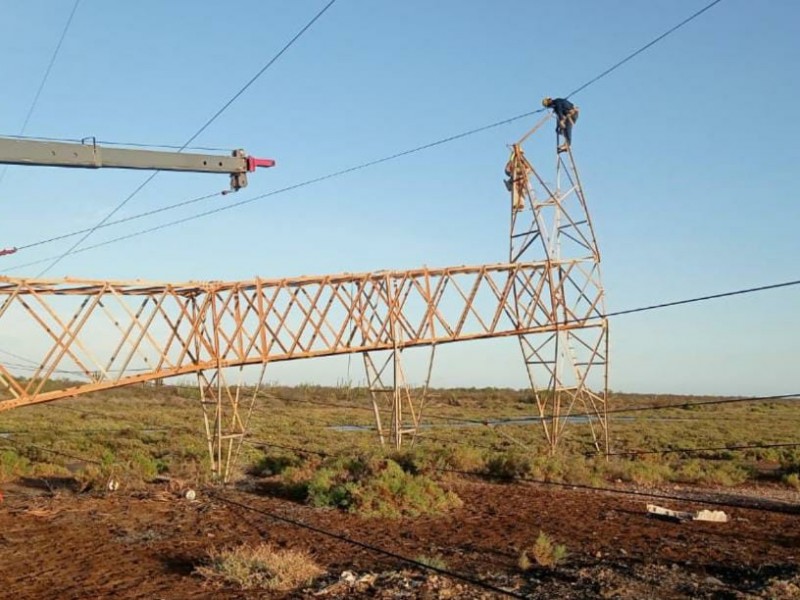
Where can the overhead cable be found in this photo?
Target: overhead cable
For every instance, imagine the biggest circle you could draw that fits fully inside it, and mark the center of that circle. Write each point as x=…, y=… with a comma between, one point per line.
x=380, y=160
x=637, y=52
x=45, y=77
x=214, y=117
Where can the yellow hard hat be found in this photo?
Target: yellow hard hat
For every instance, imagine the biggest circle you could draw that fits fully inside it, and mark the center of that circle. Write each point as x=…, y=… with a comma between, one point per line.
x=547, y=101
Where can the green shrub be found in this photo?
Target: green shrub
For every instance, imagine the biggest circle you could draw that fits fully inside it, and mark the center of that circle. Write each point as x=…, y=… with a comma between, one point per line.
x=722, y=473
x=543, y=552
x=725, y=474
x=372, y=487
x=412, y=461
x=13, y=465
x=792, y=480
x=456, y=457
x=640, y=472
x=389, y=491
x=274, y=464
x=142, y=466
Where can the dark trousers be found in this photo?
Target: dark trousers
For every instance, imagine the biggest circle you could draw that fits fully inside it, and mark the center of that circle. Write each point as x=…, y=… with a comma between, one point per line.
x=565, y=124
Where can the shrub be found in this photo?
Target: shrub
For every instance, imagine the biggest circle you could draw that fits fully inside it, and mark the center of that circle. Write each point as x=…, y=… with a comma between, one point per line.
x=792, y=480
x=411, y=460
x=725, y=474
x=91, y=477
x=544, y=552
x=372, y=487
x=142, y=466
x=509, y=466
x=447, y=458
x=640, y=472
x=261, y=567
x=274, y=464
x=462, y=458
x=294, y=481
x=13, y=465
x=389, y=491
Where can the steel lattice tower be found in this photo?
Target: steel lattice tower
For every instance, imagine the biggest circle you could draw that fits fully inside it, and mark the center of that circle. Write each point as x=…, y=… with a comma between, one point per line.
x=568, y=366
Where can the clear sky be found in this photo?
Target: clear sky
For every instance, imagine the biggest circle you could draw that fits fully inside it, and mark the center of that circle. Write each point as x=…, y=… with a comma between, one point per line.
x=688, y=156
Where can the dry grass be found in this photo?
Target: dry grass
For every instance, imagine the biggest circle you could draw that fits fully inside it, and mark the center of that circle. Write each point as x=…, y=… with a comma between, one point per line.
x=261, y=567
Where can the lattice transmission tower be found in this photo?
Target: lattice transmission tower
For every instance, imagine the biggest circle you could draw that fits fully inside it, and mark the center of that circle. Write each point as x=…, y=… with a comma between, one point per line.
x=567, y=366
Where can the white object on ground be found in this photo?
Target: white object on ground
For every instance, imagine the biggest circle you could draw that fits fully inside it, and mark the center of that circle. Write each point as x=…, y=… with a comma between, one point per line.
x=714, y=516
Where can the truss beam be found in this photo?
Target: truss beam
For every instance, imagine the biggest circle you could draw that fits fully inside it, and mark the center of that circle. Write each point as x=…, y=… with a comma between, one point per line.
x=122, y=332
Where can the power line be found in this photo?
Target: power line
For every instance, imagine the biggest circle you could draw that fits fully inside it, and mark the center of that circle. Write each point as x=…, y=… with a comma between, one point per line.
x=45, y=76
x=116, y=222
x=262, y=443
x=772, y=398
x=734, y=448
x=19, y=357
x=384, y=159
x=60, y=453
x=500, y=422
x=72, y=249
x=739, y=292
x=244, y=88
x=682, y=405
x=49, y=67
x=125, y=432
x=377, y=550
x=643, y=48
x=194, y=136
x=774, y=507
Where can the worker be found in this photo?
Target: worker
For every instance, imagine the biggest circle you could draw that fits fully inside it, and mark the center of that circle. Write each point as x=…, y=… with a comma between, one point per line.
x=509, y=176
x=566, y=113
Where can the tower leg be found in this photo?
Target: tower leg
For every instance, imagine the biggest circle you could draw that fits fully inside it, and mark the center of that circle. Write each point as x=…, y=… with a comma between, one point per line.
x=396, y=406
x=226, y=415
x=567, y=371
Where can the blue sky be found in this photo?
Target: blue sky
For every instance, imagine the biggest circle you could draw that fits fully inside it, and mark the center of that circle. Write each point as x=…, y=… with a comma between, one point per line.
x=688, y=156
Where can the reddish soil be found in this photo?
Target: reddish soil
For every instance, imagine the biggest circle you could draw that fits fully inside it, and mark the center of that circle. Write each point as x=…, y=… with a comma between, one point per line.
x=146, y=544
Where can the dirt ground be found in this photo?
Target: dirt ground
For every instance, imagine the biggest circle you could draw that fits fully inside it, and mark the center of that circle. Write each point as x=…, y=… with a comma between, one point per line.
x=55, y=543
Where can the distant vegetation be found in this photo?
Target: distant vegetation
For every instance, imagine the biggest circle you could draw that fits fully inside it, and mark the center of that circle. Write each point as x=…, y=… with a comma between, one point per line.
x=136, y=434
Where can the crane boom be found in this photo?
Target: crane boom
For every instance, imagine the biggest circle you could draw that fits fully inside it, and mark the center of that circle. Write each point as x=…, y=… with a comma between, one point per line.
x=92, y=156
x=89, y=155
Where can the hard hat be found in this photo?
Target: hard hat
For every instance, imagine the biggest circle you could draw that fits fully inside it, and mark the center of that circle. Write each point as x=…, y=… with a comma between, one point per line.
x=547, y=101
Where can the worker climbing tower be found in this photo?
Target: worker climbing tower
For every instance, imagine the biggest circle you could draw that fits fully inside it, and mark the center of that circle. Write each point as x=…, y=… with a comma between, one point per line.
x=568, y=366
